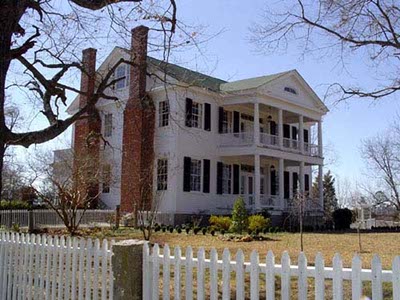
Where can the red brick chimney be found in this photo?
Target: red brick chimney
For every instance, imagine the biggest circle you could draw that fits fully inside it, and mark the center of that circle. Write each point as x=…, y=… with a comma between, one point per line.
x=88, y=130
x=138, y=132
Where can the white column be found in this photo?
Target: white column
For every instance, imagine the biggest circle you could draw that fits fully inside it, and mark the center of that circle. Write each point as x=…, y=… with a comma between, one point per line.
x=321, y=186
x=256, y=123
x=281, y=183
x=301, y=134
x=301, y=178
x=320, y=138
x=280, y=127
x=257, y=177
x=268, y=180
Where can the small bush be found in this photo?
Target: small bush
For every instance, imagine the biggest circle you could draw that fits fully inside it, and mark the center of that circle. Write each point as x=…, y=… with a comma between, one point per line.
x=187, y=229
x=212, y=232
x=164, y=229
x=239, y=216
x=258, y=222
x=196, y=230
x=222, y=231
x=15, y=204
x=171, y=229
x=204, y=230
x=342, y=218
x=220, y=222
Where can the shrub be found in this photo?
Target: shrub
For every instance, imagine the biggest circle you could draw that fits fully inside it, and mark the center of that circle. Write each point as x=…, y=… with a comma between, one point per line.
x=164, y=229
x=342, y=218
x=222, y=231
x=179, y=230
x=15, y=204
x=212, y=232
x=258, y=222
x=171, y=229
x=196, y=230
x=187, y=229
x=239, y=216
x=220, y=222
x=204, y=230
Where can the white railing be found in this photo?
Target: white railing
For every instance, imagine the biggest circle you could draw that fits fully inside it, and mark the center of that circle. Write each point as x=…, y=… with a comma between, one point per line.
x=43, y=267
x=48, y=217
x=311, y=149
x=237, y=139
x=290, y=144
x=310, y=205
x=269, y=140
x=195, y=279
x=269, y=201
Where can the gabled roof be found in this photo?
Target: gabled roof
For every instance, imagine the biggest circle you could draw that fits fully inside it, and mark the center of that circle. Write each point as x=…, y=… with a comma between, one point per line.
x=250, y=83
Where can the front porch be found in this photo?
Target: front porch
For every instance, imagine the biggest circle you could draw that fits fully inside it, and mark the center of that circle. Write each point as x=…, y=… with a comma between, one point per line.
x=270, y=183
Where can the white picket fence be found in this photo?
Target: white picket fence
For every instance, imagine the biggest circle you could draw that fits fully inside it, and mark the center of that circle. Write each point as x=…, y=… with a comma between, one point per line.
x=43, y=267
x=45, y=217
x=208, y=273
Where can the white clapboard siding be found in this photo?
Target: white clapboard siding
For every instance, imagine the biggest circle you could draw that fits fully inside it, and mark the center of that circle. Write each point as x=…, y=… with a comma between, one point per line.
x=217, y=284
x=43, y=267
x=48, y=217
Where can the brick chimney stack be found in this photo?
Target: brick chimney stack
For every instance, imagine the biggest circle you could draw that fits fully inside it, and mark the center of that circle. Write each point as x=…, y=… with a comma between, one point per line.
x=88, y=130
x=138, y=132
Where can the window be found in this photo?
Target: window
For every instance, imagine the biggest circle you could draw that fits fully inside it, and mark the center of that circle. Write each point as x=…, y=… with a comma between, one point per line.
x=121, y=71
x=290, y=90
x=197, y=115
x=226, y=179
x=162, y=174
x=106, y=178
x=227, y=122
x=108, y=125
x=163, y=113
x=195, y=175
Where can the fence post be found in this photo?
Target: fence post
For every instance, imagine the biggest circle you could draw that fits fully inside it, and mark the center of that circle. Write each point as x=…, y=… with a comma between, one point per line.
x=117, y=216
x=127, y=266
x=30, y=220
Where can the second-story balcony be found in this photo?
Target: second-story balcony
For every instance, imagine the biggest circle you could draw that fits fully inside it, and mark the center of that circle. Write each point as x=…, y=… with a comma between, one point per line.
x=242, y=139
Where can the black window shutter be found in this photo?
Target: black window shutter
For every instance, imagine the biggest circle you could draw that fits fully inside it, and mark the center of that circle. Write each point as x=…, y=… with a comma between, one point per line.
x=295, y=182
x=220, y=119
x=207, y=116
x=273, y=182
x=236, y=174
x=305, y=135
x=219, y=177
x=306, y=182
x=286, y=131
x=206, y=175
x=189, y=105
x=294, y=133
x=186, y=173
x=286, y=190
x=236, y=121
x=272, y=128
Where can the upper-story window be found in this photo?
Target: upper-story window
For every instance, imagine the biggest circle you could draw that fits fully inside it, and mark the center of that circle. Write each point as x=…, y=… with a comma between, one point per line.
x=122, y=71
x=108, y=126
x=195, y=175
x=290, y=90
x=227, y=122
x=197, y=115
x=163, y=113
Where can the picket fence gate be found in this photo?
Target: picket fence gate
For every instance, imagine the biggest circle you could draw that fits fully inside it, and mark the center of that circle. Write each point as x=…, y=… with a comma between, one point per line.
x=46, y=217
x=284, y=272
x=45, y=267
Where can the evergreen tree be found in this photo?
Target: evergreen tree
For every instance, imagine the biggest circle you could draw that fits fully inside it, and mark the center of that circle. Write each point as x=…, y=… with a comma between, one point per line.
x=330, y=199
x=239, y=216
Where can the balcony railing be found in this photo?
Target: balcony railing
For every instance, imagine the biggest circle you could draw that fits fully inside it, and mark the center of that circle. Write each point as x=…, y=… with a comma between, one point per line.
x=268, y=140
x=269, y=201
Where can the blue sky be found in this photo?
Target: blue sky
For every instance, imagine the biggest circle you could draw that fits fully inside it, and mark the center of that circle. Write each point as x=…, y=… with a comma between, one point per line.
x=231, y=56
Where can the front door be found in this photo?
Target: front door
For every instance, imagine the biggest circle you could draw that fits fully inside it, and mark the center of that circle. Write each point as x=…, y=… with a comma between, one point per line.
x=247, y=188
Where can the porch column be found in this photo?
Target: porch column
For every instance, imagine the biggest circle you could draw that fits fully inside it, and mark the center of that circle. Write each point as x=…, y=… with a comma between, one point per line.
x=267, y=180
x=280, y=127
x=301, y=178
x=321, y=186
x=301, y=133
x=256, y=124
x=257, y=178
x=281, y=183
x=320, y=153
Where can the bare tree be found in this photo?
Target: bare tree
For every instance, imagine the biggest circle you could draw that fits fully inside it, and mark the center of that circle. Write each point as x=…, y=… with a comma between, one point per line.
x=339, y=28
x=39, y=45
x=382, y=156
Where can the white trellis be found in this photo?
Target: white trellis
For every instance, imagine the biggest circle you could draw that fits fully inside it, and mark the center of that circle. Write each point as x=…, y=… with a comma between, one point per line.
x=285, y=272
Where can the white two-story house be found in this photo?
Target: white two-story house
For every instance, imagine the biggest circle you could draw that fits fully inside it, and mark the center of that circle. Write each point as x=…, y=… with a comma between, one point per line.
x=214, y=141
